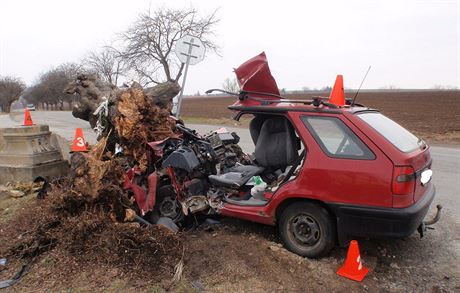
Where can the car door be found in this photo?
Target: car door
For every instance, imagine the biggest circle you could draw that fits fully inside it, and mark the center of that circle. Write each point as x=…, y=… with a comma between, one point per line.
x=342, y=165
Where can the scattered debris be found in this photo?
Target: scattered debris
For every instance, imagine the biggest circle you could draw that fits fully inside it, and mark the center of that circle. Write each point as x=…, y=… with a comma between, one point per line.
x=168, y=223
x=198, y=286
x=20, y=189
x=16, y=278
x=179, y=269
x=209, y=224
x=14, y=193
x=274, y=247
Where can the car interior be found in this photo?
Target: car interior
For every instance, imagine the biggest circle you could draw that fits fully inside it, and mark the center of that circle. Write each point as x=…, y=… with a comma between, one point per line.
x=278, y=153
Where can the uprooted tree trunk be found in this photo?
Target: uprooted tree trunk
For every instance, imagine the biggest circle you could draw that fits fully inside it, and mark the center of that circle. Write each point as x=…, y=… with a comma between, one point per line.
x=92, y=91
x=135, y=117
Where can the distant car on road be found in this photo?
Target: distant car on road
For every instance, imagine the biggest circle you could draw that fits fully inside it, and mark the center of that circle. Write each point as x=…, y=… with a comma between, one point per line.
x=30, y=107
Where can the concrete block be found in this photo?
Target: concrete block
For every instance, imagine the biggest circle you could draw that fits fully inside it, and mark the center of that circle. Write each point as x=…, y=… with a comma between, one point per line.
x=28, y=152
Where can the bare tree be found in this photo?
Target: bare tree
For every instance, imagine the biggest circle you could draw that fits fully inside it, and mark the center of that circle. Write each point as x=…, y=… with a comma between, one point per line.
x=149, y=42
x=231, y=85
x=10, y=90
x=107, y=64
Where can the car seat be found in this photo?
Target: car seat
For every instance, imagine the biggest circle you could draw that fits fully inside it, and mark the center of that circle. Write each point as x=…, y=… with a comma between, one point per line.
x=276, y=148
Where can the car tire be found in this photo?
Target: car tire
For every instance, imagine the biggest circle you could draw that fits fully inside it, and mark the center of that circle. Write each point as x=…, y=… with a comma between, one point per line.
x=307, y=229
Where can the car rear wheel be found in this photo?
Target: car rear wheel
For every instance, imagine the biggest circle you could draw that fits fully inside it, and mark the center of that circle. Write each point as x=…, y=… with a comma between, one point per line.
x=307, y=229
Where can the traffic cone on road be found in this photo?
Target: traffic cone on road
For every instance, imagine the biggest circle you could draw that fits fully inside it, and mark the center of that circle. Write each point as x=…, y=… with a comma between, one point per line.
x=353, y=268
x=27, y=118
x=79, y=143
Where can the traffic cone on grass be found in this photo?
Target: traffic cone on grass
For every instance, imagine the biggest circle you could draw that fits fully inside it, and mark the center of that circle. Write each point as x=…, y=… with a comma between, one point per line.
x=353, y=268
x=79, y=143
x=27, y=118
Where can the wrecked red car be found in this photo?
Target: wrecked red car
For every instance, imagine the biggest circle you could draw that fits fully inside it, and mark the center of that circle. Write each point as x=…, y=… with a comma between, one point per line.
x=323, y=170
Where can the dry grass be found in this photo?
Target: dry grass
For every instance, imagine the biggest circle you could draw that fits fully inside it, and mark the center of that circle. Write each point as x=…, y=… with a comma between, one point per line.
x=9, y=206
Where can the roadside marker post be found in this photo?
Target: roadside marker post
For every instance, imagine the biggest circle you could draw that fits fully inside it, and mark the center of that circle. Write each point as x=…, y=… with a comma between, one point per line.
x=190, y=51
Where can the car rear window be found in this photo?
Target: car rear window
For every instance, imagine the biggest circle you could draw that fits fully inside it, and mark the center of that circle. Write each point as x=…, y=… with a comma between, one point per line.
x=336, y=139
x=400, y=137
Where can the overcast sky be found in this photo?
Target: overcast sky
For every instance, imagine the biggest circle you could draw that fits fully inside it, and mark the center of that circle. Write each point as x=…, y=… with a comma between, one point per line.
x=409, y=43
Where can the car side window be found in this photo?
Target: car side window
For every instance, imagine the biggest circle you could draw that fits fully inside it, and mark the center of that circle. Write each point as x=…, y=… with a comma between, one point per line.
x=336, y=139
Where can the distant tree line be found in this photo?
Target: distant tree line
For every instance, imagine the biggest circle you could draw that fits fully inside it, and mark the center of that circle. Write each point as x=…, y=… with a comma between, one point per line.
x=48, y=93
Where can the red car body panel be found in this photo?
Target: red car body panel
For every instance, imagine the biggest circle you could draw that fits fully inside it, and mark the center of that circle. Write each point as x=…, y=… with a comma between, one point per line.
x=419, y=159
x=254, y=76
x=145, y=200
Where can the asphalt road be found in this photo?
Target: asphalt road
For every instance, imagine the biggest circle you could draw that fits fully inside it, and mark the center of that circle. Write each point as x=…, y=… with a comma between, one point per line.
x=434, y=259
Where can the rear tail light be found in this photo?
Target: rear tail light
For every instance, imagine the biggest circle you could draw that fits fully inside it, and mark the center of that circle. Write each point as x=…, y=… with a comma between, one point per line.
x=403, y=180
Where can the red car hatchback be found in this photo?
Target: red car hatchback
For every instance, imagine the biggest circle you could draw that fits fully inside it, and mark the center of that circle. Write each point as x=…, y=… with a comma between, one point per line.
x=322, y=170
x=353, y=171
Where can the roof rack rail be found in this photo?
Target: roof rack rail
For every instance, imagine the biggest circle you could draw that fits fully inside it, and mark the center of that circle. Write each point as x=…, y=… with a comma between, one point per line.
x=316, y=101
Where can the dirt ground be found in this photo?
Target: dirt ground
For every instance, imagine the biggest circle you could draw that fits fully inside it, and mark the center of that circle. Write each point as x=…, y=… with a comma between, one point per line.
x=239, y=256
x=247, y=257
x=432, y=115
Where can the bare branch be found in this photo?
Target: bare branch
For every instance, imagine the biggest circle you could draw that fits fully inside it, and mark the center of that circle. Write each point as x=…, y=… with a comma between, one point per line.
x=107, y=64
x=149, y=42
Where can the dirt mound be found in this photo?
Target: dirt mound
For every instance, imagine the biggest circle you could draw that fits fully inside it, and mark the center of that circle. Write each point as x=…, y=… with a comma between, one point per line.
x=80, y=227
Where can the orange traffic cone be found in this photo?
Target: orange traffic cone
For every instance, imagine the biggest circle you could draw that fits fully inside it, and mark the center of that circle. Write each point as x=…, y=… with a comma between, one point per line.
x=337, y=96
x=353, y=268
x=27, y=118
x=79, y=143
